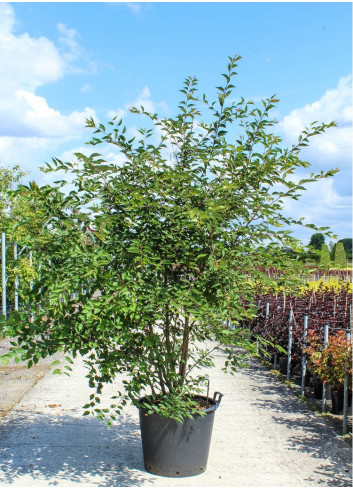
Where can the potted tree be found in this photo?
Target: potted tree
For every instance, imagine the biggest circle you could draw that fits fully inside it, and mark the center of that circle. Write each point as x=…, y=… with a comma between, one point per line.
x=330, y=364
x=145, y=260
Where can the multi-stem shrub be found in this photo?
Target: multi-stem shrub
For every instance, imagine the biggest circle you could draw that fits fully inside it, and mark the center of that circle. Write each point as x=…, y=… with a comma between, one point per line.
x=163, y=237
x=332, y=363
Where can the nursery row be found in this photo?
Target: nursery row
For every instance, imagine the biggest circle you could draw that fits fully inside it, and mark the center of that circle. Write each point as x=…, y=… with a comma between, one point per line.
x=310, y=334
x=326, y=305
x=315, y=274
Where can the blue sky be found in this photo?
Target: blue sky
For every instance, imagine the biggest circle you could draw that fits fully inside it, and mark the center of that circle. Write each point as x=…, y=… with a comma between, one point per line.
x=62, y=62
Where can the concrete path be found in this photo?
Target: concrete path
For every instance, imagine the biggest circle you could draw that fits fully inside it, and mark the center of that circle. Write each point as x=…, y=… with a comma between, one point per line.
x=262, y=436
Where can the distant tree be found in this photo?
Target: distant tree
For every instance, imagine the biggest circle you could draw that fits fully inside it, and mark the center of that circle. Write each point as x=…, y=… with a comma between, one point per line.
x=317, y=240
x=15, y=207
x=340, y=259
x=9, y=179
x=347, y=244
x=325, y=258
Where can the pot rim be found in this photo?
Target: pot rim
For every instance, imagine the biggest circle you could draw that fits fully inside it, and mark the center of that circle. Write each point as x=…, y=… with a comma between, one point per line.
x=213, y=407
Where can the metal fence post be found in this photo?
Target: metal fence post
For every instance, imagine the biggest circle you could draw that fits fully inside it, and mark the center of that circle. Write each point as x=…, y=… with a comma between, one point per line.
x=265, y=331
x=323, y=407
x=15, y=255
x=304, y=355
x=3, y=272
x=275, y=361
x=345, y=392
x=289, y=342
x=31, y=264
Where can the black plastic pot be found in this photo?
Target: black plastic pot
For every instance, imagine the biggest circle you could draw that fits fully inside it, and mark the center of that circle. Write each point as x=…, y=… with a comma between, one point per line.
x=337, y=401
x=283, y=361
x=317, y=384
x=173, y=449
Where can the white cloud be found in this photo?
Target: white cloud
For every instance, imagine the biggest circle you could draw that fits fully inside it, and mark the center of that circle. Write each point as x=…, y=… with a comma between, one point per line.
x=144, y=100
x=334, y=106
x=73, y=53
x=322, y=205
x=134, y=7
x=119, y=114
x=86, y=88
x=7, y=19
x=26, y=119
x=328, y=202
x=28, y=115
x=25, y=62
x=68, y=38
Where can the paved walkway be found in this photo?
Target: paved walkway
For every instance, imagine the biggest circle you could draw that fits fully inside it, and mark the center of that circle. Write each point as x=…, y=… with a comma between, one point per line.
x=262, y=436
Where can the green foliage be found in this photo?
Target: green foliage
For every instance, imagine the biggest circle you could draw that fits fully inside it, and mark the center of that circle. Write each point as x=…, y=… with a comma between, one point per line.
x=339, y=257
x=325, y=258
x=316, y=241
x=347, y=243
x=9, y=178
x=15, y=207
x=163, y=245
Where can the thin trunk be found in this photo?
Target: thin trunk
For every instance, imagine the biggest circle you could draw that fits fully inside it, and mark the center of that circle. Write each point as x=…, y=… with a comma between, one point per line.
x=161, y=381
x=164, y=375
x=167, y=330
x=151, y=384
x=184, y=350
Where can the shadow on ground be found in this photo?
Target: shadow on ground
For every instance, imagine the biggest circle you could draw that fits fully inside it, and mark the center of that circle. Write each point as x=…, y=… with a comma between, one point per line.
x=308, y=432
x=66, y=450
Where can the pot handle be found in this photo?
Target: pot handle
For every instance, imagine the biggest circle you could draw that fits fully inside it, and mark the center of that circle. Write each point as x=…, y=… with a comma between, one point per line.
x=217, y=399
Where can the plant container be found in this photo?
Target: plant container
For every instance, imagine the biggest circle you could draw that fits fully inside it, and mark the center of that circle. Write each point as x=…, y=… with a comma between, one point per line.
x=283, y=361
x=337, y=401
x=317, y=384
x=177, y=449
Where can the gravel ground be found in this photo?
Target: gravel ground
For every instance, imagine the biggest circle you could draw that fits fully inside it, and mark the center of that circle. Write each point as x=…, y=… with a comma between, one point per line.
x=262, y=436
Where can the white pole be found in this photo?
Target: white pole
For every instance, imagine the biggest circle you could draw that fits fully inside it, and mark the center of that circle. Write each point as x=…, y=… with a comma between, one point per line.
x=304, y=355
x=289, y=359
x=31, y=263
x=345, y=391
x=323, y=408
x=3, y=272
x=15, y=255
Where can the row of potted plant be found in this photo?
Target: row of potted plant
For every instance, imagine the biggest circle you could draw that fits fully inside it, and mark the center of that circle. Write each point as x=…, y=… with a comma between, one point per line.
x=331, y=364
x=326, y=305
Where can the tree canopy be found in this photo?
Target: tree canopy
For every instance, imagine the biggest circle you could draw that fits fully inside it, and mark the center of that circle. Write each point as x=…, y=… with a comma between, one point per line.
x=317, y=240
